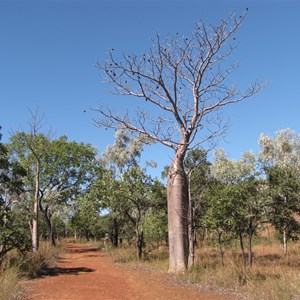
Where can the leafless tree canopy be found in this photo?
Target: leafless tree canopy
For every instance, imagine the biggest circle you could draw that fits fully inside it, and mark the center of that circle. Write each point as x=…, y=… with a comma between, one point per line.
x=185, y=81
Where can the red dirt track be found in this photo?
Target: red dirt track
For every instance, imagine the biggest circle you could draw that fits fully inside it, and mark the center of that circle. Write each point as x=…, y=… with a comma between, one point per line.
x=84, y=273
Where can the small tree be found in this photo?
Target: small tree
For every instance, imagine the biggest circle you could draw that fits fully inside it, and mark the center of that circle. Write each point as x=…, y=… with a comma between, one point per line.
x=13, y=221
x=184, y=83
x=280, y=158
x=197, y=170
x=68, y=168
x=29, y=149
x=238, y=201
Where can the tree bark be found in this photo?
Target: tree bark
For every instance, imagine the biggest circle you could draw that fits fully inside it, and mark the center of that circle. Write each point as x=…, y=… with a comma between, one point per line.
x=284, y=238
x=139, y=244
x=35, y=233
x=50, y=229
x=191, y=227
x=222, y=252
x=243, y=258
x=48, y=223
x=250, y=254
x=178, y=215
x=115, y=233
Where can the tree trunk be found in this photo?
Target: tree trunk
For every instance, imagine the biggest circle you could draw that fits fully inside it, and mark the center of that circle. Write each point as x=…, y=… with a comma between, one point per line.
x=115, y=237
x=284, y=233
x=250, y=254
x=191, y=227
x=48, y=223
x=243, y=279
x=284, y=239
x=222, y=252
x=35, y=233
x=50, y=230
x=139, y=244
x=178, y=215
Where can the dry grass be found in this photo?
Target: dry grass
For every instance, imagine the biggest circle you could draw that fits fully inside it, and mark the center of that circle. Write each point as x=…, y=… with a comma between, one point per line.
x=122, y=255
x=272, y=275
x=9, y=279
x=16, y=267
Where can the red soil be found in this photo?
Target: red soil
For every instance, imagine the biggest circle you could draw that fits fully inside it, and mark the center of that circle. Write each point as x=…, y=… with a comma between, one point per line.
x=84, y=273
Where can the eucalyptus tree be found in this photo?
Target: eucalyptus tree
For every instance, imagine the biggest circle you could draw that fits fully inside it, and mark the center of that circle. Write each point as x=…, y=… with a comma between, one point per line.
x=57, y=173
x=117, y=159
x=197, y=170
x=136, y=193
x=68, y=169
x=86, y=217
x=182, y=81
x=156, y=221
x=13, y=221
x=280, y=158
x=29, y=149
x=238, y=203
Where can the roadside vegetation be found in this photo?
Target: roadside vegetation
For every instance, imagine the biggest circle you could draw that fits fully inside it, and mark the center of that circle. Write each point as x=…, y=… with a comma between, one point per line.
x=229, y=224
x=245, y=224
x=15, y=268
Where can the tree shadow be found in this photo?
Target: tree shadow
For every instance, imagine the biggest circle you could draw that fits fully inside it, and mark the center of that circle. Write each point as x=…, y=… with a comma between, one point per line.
x=56, y=271
x=78, y=249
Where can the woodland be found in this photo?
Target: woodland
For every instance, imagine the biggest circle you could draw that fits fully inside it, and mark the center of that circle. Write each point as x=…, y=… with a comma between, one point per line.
x=206, y=214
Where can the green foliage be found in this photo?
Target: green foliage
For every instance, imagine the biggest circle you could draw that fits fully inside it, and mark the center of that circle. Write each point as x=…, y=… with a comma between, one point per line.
x=280, y=158
x=66, y=169
x=156, y=226
x=284, y=195
x=13, y=225
x=237, y=203
x=197, y=168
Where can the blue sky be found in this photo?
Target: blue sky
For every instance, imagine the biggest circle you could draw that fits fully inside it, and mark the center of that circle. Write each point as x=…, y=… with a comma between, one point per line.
x=48, y=52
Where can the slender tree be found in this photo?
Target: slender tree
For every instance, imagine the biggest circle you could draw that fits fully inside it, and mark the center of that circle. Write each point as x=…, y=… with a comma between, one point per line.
x=182, y=79
x=30, y=148
x=13, y=221
x=197, y=170
x=237, y=199
x=280, y=159
x=68, y=168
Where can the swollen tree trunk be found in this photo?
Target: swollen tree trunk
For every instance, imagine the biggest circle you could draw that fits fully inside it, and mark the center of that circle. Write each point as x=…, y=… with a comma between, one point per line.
x=34, y=232
x=178, y=215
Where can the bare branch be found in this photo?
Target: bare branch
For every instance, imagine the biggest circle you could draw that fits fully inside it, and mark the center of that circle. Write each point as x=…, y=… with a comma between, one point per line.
x=183, y=77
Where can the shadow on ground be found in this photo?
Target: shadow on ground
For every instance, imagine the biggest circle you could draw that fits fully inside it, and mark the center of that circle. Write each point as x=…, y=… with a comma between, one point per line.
x=76, y=249
x=56, y=271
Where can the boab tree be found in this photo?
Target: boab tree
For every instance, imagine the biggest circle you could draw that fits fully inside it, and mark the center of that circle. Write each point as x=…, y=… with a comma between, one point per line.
x=182, y=82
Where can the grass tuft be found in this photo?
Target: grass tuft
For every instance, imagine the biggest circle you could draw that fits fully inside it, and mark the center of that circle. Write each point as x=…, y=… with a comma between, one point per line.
x=9, y=279
x=15, y=267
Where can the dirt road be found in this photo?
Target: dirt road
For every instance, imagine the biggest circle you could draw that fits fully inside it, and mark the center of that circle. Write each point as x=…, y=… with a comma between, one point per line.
x=83, y=273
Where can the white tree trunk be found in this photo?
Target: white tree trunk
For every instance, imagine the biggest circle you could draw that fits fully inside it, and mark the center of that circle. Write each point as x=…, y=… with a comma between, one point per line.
x=178, y=217
x=284, y=241
x=191, y=228
x=35, y=233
